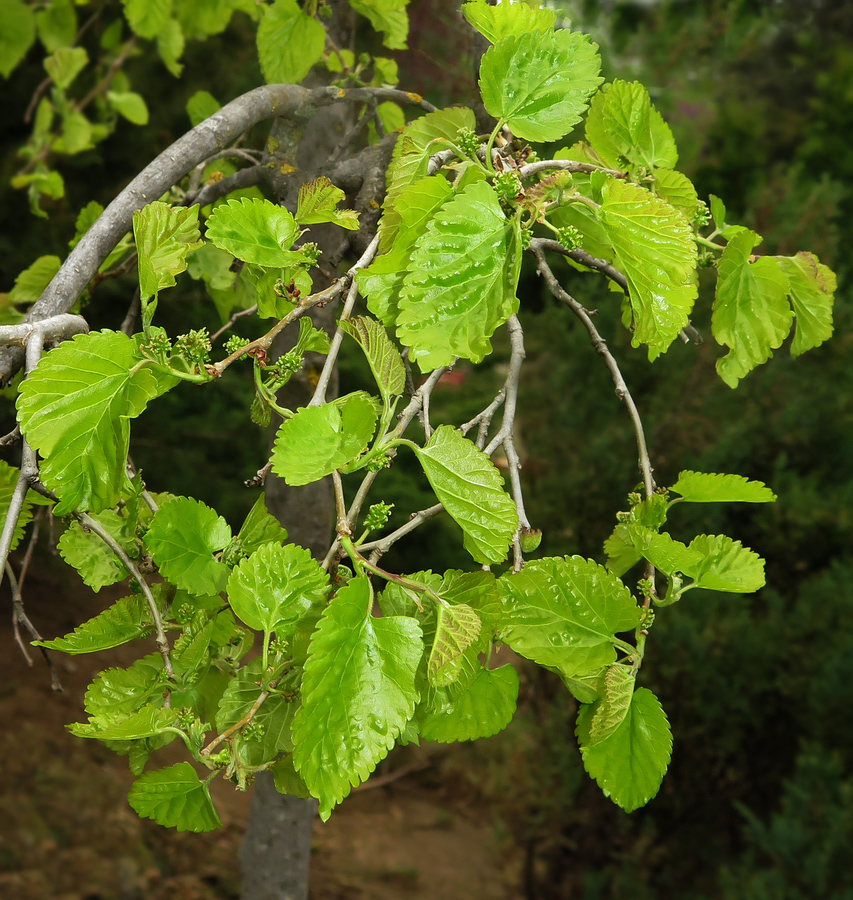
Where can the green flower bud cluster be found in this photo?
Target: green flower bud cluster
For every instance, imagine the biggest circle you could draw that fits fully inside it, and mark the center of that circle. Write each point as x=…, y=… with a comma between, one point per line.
x=194, y=347
x=507, y=187
x=377, y=516
x=467, y=141
x=235, y=343
x=569, y=237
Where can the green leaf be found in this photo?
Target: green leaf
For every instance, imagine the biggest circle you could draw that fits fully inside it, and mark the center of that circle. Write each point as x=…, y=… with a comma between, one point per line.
x=387, y=16
x=202, y=105
x=383, y=357
x=653, y=247
x=74, y=409
x=56, y=25
x=718, y=211
x=170, y=46
x=147, y=722
x=678, y=191
x=129, y=105
x=289, y=43
x=629, y=765
x=456, y=628
x=117, y=693
x=484, y=709
x=275, y=587
x=610, y=712
x=96, y=564
x=317, y=202
x=260, y=528
x=174, y=797
x=65, y=65
x=287, y=780
x=623, y=126
x=17, y=34
x=319, y=439
x=358, y=692
x=565, y=613
x=76, y=134
x=164, y=235
x=725, y=565
x=539, y=82
x=621, y=552
x=8, y=481
x=812, y=287
x=203, y=18
x=471, y=489
x=506, y=19
x=182, y=539
x=663, y=551
x=256, y=231
x=30, y=284
x=712, y=487
x=461, y=281
x=750, y=313
x=191, y=650
x=147, y=18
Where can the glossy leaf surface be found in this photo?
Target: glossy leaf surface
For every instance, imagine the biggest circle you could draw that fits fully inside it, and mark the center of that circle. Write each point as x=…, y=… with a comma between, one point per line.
x=176, y=798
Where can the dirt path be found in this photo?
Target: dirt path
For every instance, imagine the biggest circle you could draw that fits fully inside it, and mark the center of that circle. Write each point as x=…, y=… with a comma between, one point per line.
x=67, y=833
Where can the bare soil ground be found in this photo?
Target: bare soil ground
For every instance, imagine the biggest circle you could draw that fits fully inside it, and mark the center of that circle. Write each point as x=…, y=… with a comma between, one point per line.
x=67, y=832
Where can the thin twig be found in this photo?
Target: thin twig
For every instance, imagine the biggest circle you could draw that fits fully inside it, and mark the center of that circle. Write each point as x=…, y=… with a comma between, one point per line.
x=566, y=165
x=19, y=617
x=127, y=326
x=383, y=545
x=8, y=439
x=253, y=709
x=237, y=315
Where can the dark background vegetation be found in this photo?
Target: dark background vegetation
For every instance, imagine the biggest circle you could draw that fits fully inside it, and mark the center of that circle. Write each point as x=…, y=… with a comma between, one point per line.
x=758, y=803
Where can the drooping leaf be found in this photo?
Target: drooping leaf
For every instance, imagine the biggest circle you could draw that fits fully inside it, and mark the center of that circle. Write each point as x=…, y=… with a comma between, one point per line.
x=382, y=356
x=653, y=247
x=505, y=19
x=751, y=314
x=170, y=46
x=565, y=613
x=30, y=284
x=629, y=765
x=712, y=487
x=620, y=550
x=319, y=439
x=718, y=210
x=94, y=561
x=623, y=126
x=56, y=25
x=275, y=587
x=812, y=288
x=125, y=620
x=725, y=565
x=74, y=409
x=202, y=105
x=174, y=797
x=147, y=17
x=663, y=551
x=287, y=780
x=17, y=35
x=456, y=628
x=147, y=722
x=115, y=694
x=483, y=709
x=289, y=43
x=539, y=82
x=610, y=712
x=389, y=17
x=678, y=191
x=182, y=539
x=202, y=18
x=256, y=231
x=260, y=528
x=132, y=106
x=65, y=65
x=461, y=281
x=317, y=202
x=471, y=489
x=76, y=134
x=358, y=692
x=164, y=235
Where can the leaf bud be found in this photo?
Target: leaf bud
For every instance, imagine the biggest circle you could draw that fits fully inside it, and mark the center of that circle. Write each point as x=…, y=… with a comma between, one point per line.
x=530, y=539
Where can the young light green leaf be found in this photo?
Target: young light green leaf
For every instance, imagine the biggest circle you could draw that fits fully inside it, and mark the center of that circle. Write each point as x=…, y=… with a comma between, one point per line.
x=147, y=18
x=130, y=105
x=382, y=356
x=170, y=46
x=287, y=780
x=456, y=628
x=147, y=722
x=539, y=82
x=750, y=313
x=275, y=587
x=164, y=235
x=202, y=105
x=117, y=693
x=260, y=528
x=65, y=65
x=76, y=134
x=505, y=19
x=620, y=550
x=712, y=487
x=718, y=211
x=653, y=247
x=256, y=231
x=812, y=288
x=461, y=281
x=623, y=127
x=75, y=410
x=678, y=191
x=387, y=16
x=191, y=651
x=663, y=551
x=174, y=797
x=484, y=709
x=34, y=279
x=95, y=562
x=629, y=765
x=319, y=439
x=317, y=202
x=311, y=339
x=56, y=25
x=466, y=481
x=182, y=539
x=610, y=712
x=8, y=481
x=125, y=620
x=289, y=42
x=202, y=18
x=565, y=613
x=17, y=35
x=358, y=692
x=725, y=565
